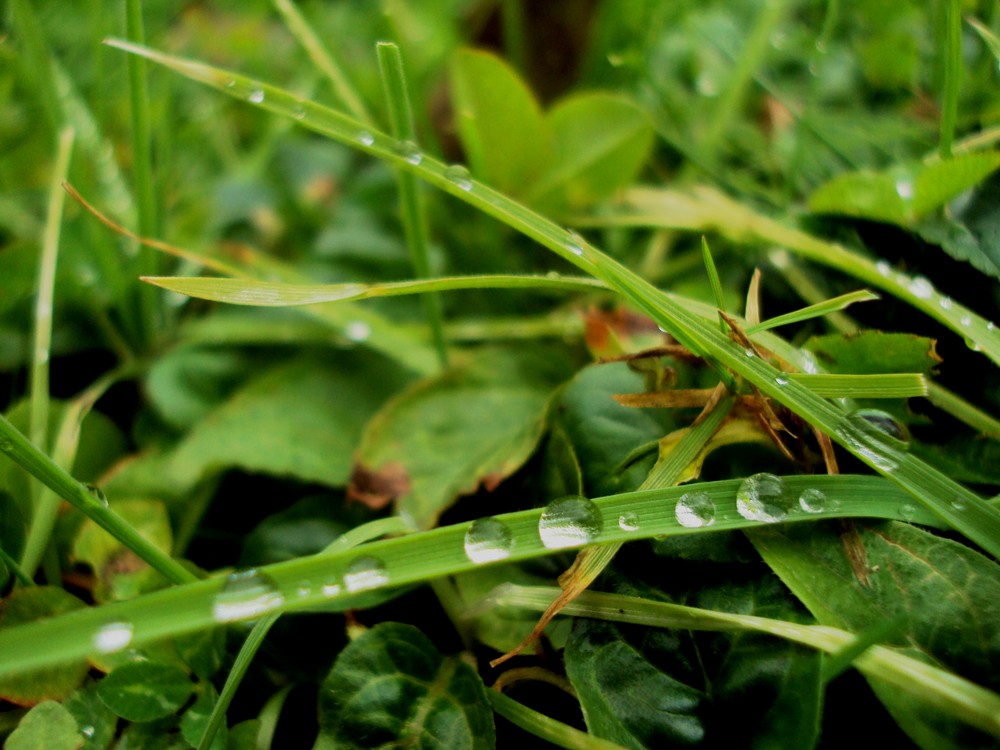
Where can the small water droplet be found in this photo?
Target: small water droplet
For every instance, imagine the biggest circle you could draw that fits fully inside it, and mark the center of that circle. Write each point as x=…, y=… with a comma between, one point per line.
x=781, y=381
x=303, y=590
x=98, y=494
x=574, y=243
x=87, y=730
x=256, y=96
x=331, y=589
x=904, y=189
x=764, y=497
x=569, y=522
x=459, y=176
x=113, y=637
x=920, y=286
x=908, y=512
x=358, y=331
x=246, y=594
x=945, y=303
x=6, y=445
x=409, y=151
x=958, y=504
x=299, y=110
x=883, y=268
x=966, y=320
x=365, y=138
x=706, y=85
x=695, y=510
x=488, y=540
x=231, y=83
x=990, y=326
x=365, y=573
x=812, y=500
x=628, y=521
x=749, y=352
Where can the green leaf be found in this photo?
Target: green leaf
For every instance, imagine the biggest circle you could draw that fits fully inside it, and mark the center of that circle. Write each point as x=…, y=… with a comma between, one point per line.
x=120, y=573
x=872, y=352
x=475, y=424
x=295, y=420
x=971, y=230
x=599, y=143
x=48, y=726
x=905, y=192
x=203, y=651
x=499, y=121
x=643, y=687
x=96, y=721
x=145, y=690
x=391, y=687
x=195, y=719
x=949, y=594
x=26, y=606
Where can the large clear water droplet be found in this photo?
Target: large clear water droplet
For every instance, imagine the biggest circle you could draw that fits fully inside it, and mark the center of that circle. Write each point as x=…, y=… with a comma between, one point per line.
x=245, y=595
x=882, y=423
x=409, y=151
x=488, y=540
x=570, y=522
x=459, y=176
x=695, y=510
x=365, y=573
x=812, y=500
x=764, y=497
x=113, y=637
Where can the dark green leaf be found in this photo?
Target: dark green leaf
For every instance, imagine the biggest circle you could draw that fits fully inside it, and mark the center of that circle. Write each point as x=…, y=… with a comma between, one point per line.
x=28, y=605
x=195, y=719
x=48, y=726
x=96, y=721
x=203, y=651
x=971, y=231
x=874, y=352
x=391, y=687
x=244, y=735
x=145, y=690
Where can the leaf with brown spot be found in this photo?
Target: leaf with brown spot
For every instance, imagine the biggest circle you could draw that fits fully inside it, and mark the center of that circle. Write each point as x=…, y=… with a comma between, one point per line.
x=376, y=488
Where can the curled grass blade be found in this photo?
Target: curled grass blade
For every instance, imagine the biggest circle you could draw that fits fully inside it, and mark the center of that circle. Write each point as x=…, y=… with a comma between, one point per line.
x=962, y=509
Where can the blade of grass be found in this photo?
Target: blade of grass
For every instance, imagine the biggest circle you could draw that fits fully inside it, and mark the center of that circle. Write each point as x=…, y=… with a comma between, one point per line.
x=713, y=279
x=813, y=311
x=323, y=580
x=959, y=408
x=952, y=57
x=412, y=207
x=890, y=385
x=960, y=508
x=548, y=729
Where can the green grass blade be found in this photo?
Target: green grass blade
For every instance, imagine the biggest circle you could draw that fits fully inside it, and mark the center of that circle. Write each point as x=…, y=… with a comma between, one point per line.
x=952, y=58
x=274, y=294
x=325, y=580
x=960, y=508
x=813, y=311
x=890, y=385
x=548, y=729
x=713, y=279
x=412, y=207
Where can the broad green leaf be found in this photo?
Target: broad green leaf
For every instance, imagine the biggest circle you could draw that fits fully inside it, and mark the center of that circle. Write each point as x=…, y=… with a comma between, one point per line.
x=96, y=721
x=196, y=717
x=120, y=573
x=391, y=687
x=48, y=726
x=145, y=690
x=971, y=230
x=28, y=605
x=870, y=352
x=301, y=419
x=643, y=687
x=443, y=437
x=948, y=593
x=599, y=143
x=499, y=121
x=904, y=193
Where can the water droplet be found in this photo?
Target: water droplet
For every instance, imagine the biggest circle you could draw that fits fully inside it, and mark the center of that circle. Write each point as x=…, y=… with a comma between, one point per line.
x=908, y=512
x=6, y=445
x=628, y=521
x=231, y=83
x=256, y=96
x=706, y=85
x=246, y=594
x=764, y=497
x=87, y=730
x=303, y=590
x=883, y=422
x=749, y=352
x=331, y=589
x=409, y=151
x=812, y=500
x=358, y=331
x=459, y=176
x=365, y=138
x=695, y=510
x=966, y=320
x=871, y=435
x=569, y=522
x=113, y=637
x=990, y=326
x=883, y=268
x=98, y=494
x=299, y=111
x=958, y=504
x=920, y=286
x=365, y=573
x=974, y=345
x=904, y=189
x=488, y=540
x=574, y=243
x=781, y=381
x=945, y=303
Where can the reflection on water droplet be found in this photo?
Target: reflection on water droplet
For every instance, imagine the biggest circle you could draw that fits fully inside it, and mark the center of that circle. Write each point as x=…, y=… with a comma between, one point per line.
x=574, y=243
x=812, y=500
x=113, y=637
x=883, y=268
x=87, y=731
x=409, y=151
x=357, y=330
x=990, y=326
x=920, y=286
x=569, y=522
x=695, y=510
x=246, y=594
x=459, y=175
x=908, y=512
x=749, y=352
x=764, y=497
x=966, y=320
x=904, y=189
x=365, y=138
x=331, y=589
x=6, y=445
x=883, y=422
x=98, y=494
x=958, y=504
x=872, y=435
x=628, y=521
x=365, y=573
x=781, y=381
x=303, y=590
x=299, y=111
x=945, y=303
x=488, y=540
x=256, y=96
